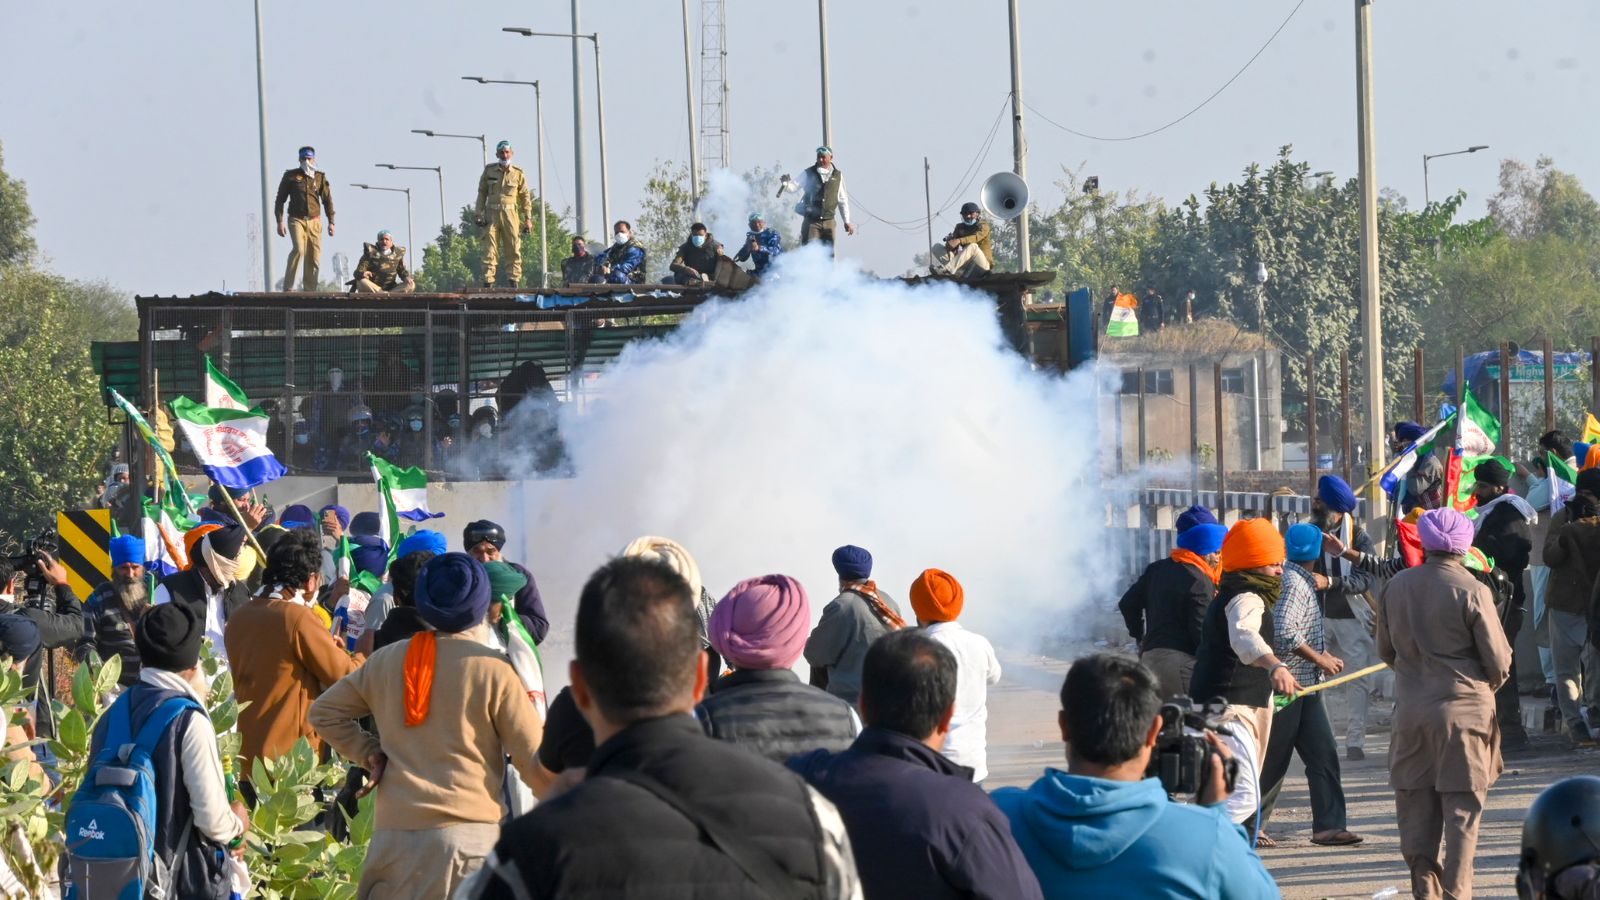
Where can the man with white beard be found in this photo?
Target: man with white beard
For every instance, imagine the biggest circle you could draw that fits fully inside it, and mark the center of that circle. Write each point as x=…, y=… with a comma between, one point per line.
x=116, y=605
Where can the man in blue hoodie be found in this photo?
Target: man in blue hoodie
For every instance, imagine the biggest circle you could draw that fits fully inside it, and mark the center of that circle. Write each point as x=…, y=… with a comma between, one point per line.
x=1102, y=826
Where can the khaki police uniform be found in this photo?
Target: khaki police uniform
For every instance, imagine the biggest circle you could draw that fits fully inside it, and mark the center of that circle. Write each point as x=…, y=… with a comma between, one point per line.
x=307, y=197
x=505, y=202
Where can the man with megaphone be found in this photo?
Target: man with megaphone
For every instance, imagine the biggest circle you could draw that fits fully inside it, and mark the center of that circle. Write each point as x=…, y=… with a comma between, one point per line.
x=967, y=251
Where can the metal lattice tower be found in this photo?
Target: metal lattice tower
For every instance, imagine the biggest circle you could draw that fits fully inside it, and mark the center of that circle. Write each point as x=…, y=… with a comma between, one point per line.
x=714, y=152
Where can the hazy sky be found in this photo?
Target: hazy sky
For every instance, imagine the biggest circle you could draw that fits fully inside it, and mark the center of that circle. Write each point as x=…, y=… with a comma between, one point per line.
x=134, y=125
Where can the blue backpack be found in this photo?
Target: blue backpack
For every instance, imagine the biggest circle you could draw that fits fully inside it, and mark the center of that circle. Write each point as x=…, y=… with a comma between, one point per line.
x=111, y=823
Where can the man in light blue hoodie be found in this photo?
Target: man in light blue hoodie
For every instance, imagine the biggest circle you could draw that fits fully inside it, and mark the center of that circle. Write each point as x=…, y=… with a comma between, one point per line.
x=1102, y=826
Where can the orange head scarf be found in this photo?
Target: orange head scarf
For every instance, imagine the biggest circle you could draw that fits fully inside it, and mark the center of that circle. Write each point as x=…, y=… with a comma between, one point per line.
x=1592, y=460
x=191, y=540
x=422, y=655
x=937, y=597
x=1251, y=544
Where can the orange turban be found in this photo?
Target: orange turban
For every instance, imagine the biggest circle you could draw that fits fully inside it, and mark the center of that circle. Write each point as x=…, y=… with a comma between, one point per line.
x=191, y=540
x=1590, y=461
x=1251, y=544
x=936, y=597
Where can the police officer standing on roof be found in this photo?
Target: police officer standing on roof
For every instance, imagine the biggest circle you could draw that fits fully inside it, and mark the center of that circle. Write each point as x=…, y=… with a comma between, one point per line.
x=505, y=210
x=308, y=195
x=822, y=198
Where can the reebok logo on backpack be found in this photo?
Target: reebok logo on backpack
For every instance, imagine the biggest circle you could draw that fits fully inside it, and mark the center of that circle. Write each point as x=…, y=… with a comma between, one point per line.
x=111, y=823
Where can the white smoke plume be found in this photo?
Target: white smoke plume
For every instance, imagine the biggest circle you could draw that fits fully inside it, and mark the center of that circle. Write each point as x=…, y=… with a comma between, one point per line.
x=827, y=407
x=726, y=207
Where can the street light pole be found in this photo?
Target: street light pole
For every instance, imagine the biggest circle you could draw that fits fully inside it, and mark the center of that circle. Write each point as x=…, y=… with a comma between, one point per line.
x=267, y=223
x=694, y=132
x=1019, y=147
x=482, y=139
x=538, y=115
x=1426, y=198
x=437, y=170
x=1371, y=301
x=580, y=195
x=407, y=191
x=600, y=108
x=827, y=97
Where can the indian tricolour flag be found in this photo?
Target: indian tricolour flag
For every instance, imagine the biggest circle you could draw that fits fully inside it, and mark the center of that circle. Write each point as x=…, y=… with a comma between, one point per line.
x=163, y=538
x=1124, y=317
x=221, y=392
x=230, y=444
x=402, y=494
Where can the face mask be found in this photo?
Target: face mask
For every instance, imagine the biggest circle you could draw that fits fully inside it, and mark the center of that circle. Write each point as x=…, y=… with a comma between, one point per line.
x=824, y=172
x=455, y=422
x=484, y=430
x=699, y=240
x=363, y=426
x=505, y=163
x=335, y=380
x=308, y=167
x=302, y=439
x=620, y=238
x=388, y=251
x=970, y=220
x=416, y=424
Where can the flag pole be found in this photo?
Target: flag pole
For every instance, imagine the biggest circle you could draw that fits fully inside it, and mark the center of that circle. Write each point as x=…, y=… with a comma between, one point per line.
x=155, y=388
x=249, y=535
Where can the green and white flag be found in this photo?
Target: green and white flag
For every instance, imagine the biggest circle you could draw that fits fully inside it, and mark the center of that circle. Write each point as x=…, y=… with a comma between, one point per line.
x=175, y=487
x=1479, y=430
x=221, y=392
x=402, y=494
x=1563, y=481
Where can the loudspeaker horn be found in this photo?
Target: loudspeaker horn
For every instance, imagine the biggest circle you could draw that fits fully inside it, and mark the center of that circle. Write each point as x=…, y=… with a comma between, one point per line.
x=1004, y=196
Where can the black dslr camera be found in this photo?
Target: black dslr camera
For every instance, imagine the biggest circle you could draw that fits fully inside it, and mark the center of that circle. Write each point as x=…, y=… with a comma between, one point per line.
x=1183, y=755
x=46, y=545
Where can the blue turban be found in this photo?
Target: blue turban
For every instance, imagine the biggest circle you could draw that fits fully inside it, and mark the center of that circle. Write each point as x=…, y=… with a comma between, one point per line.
x=339, y=512
x=1335, y=494
x=1304, y=542
x=852, y=563
x=1408, y=431
x=297, y=516
x=422, y=539
x=1203, y=539
x=1580, y=451
x=1195, y=515
x=365, y=523
x=452, y=592
x=127, y=548
x=369, y=554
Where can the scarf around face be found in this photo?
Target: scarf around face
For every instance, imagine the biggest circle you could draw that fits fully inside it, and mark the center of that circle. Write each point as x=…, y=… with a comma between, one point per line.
x=1268, y=587
x=1191, y=558
x=422, y=655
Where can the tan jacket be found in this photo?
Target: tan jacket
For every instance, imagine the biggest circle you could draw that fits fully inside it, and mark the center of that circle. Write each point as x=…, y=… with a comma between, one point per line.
x=282, y=657
x=504, y=187
x=449, y=769
x=1438, y=629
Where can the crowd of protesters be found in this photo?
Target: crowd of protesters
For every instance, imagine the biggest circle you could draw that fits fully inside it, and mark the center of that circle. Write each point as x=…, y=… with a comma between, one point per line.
x=688, y=758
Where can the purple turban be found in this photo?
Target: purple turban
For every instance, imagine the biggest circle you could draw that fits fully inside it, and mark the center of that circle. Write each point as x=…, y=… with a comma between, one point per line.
x=762, y=623
x=1195, y=515
x=1445, y=531
x=297, y=516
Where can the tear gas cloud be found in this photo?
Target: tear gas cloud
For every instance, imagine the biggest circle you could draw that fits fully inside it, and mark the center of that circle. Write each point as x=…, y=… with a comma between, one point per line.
x=823, y=408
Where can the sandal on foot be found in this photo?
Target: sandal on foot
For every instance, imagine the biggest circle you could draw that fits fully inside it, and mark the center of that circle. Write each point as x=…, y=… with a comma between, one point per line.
x=1264, y=842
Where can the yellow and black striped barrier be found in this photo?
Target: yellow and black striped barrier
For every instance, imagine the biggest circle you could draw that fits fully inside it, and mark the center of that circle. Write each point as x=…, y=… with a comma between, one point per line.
x=85, y=548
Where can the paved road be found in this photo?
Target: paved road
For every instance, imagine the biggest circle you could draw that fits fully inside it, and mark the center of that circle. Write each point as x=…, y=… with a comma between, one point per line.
x=1023, y=740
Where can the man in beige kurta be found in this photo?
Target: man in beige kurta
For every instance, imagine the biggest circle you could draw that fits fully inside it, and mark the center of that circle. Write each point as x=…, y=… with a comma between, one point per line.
x=1437, y=628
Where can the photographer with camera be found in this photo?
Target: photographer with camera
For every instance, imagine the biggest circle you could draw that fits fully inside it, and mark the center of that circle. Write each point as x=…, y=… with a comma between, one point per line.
x=46, y=600
x=1103, y=825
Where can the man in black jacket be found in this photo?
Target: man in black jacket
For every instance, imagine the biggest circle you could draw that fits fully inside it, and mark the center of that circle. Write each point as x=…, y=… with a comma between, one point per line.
x=922, y=829
x=1164, y=608
x=1342, y=585
x=47, y=601
x=664, y=811
x=1505, y=536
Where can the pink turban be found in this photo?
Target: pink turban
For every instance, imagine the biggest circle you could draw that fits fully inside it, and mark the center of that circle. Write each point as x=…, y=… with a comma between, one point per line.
x=762, y=623
x=1445, y=531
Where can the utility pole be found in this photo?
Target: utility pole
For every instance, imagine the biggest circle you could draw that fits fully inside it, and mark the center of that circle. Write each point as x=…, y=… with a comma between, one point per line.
x=927, y=198
x=267, y=223
x=579, y=195
x=1019, y=147
x=694, y=133
x=827, y=103
x=1371, y=306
